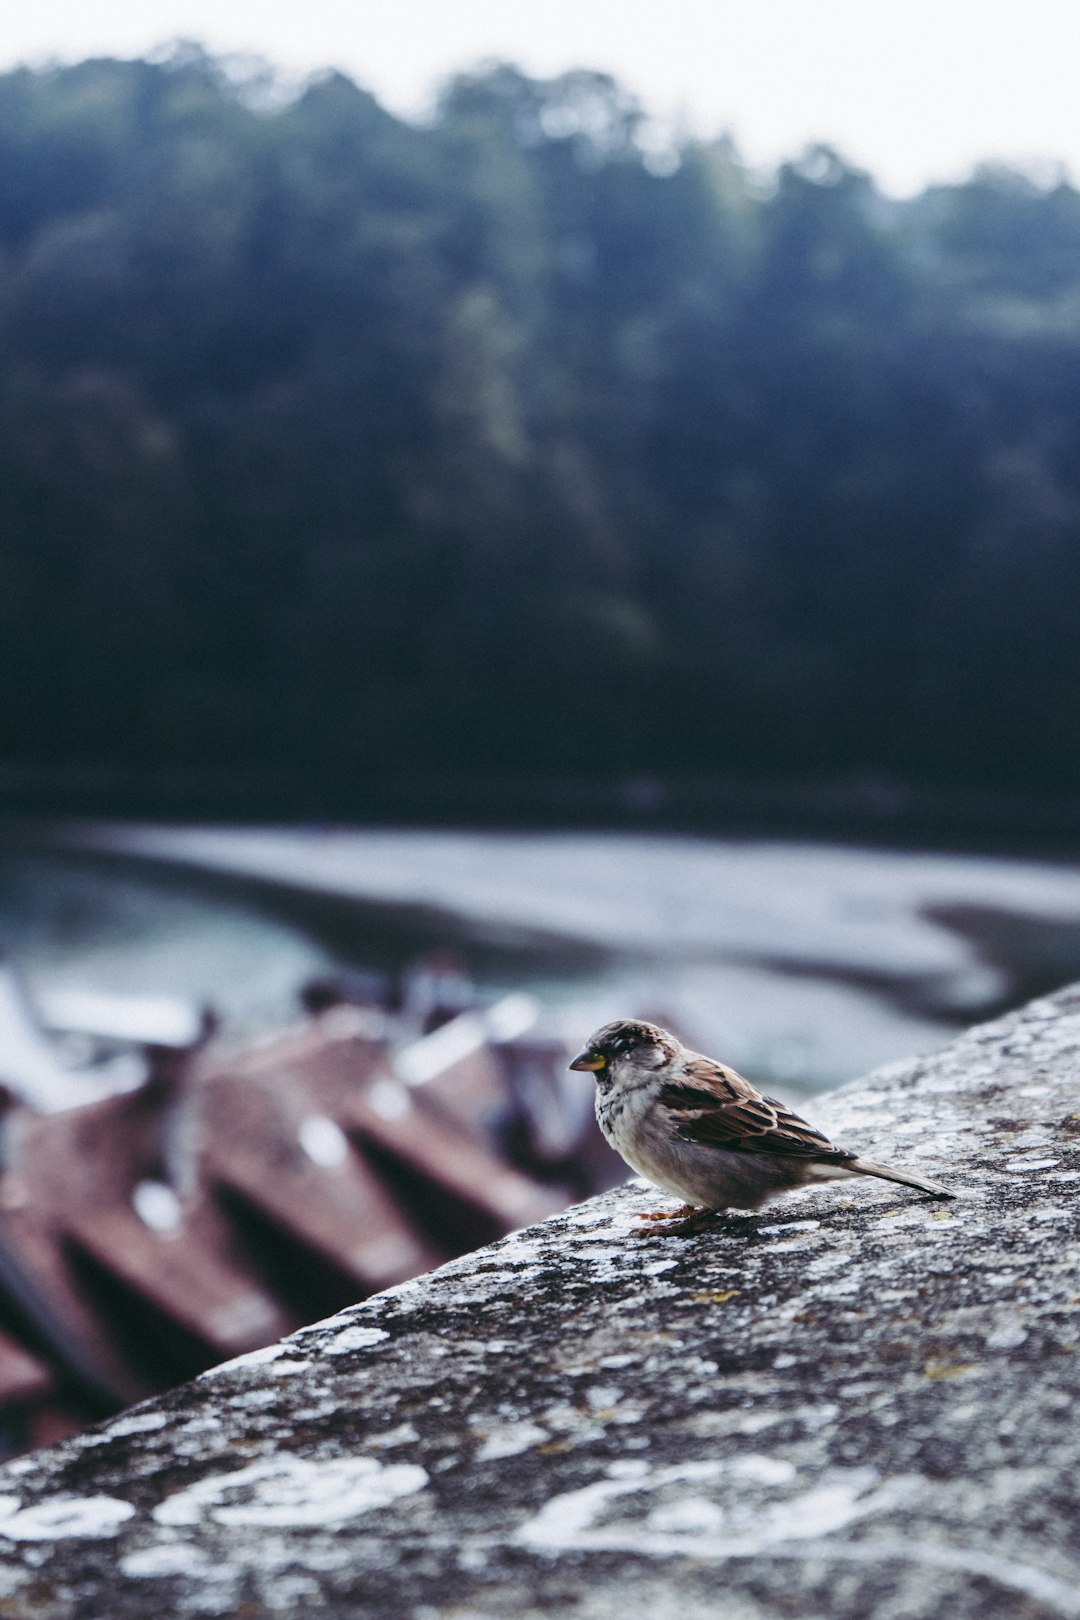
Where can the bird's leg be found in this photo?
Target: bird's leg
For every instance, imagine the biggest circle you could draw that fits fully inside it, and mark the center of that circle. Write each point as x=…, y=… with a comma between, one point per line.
x=686, y=1221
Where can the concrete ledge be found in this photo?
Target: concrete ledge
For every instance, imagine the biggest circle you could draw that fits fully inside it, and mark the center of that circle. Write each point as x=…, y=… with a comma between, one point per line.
x=856, y=1402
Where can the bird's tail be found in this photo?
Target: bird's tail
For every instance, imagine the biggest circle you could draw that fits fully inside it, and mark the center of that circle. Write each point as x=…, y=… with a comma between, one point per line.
x=906, y=1178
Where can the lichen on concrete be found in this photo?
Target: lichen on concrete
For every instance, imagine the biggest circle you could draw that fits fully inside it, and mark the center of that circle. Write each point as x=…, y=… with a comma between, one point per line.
x=855, y=1402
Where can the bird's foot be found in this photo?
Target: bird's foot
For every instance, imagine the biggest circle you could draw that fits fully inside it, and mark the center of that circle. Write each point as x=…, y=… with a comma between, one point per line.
x=688, y=1221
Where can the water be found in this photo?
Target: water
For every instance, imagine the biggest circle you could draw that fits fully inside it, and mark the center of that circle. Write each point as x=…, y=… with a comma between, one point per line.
x=73, y=923
x=802, y=964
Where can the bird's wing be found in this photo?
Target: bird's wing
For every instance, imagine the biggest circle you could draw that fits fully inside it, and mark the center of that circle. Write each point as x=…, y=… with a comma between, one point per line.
x=715, y=1107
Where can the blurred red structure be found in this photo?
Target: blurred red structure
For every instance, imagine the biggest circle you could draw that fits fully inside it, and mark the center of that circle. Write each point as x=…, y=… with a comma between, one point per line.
x=233, y=1196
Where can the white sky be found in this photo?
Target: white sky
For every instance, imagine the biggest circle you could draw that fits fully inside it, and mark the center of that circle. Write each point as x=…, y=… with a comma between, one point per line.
x=913, y=89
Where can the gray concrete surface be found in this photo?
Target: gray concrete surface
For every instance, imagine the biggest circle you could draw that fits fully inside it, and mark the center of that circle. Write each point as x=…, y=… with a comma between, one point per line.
x=857, y=1402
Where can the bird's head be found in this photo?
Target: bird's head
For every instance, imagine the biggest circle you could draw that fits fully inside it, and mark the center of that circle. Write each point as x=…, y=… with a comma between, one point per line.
x=625, y=1048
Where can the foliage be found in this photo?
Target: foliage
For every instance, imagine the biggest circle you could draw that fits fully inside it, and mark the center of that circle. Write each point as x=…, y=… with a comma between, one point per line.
x=335, y=446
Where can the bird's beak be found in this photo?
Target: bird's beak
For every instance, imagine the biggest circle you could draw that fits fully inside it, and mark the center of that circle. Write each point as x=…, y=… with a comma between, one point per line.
x=586, y=1060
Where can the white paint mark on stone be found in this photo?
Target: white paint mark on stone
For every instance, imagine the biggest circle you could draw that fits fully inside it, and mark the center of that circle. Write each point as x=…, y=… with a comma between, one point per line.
x=815, y=1418
x=693, y=1516
x=520, y=1251
x=404, y=1435
x=21, y=1465
x=135, y=1423
x=353, y=1338
x=166, y=1558
x=763, y=1470
x=510, y=1440
x=61, y=1516
x=1018, y=1166
x=735, y=1422
x=565, y=1522
x=285, y=1492
x=249, y=1400
x=569, y=1522
x=1006, y=1334
x=627, y=1468
x=282, y=1368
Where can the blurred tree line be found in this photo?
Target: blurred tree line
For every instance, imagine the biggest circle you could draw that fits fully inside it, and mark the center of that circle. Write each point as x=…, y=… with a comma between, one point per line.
x=336, y=447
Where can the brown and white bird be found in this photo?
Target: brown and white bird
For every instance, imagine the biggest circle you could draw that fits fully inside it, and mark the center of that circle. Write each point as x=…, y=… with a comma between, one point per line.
x=699, y=1130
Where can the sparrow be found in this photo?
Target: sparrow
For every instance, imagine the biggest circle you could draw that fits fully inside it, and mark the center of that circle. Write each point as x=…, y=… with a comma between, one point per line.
x=699, y=1130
